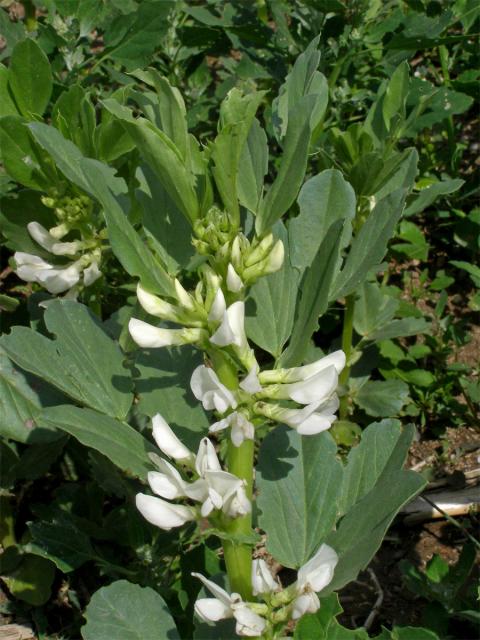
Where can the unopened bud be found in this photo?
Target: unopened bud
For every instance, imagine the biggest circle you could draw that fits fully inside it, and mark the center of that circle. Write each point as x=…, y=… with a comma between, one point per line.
x=260, y=251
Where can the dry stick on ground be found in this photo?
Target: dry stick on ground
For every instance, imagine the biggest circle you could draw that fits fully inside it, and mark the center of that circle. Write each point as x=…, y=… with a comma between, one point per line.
x=378, y=602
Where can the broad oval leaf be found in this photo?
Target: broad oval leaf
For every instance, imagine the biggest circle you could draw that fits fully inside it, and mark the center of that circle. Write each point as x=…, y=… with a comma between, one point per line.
x=299, y=481
x=83, y=361
x=127, y=611
x=30, y=78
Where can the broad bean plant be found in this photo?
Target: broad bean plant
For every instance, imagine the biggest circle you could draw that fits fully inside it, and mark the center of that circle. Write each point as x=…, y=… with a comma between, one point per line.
x=207, y=387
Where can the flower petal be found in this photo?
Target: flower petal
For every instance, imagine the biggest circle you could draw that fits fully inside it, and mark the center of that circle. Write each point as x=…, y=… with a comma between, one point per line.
x=249, y=623
x=234, y=282
x=167, y=441
x=212, y=610
x=317, y=573
x=163, y=514
x=305, y=603
x=262, y=579
x=215, y=590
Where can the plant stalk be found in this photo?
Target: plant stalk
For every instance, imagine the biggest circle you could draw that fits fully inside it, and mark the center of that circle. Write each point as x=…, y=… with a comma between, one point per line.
x=347, y=335
x=238, y=557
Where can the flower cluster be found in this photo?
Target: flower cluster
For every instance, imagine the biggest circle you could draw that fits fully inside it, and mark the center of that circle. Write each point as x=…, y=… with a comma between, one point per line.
x=276, y=394
x=215, y=489
x=242, y=260
x=81, y=256
x=252, y=618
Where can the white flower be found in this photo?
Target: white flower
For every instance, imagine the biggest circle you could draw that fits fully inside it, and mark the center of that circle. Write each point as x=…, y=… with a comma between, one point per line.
x=314, y=576
x=155, y=306
x=50, y=243
x=56, y=279
x=91, y=273
x=218, y=307
x=242, y=428
x=225, y=605
x=215, y=489
x=296, y=374
x=163, y=514
x=183, y=296
x=250, y=383
x=167, y=484
x=167, y=441
x=316, y=388
x=148, y=336
x=262, y=579
x=206, y=459
x=234, y=282
x=225, y=492
x=232, y=329
x=210, y=391
x=308, y=421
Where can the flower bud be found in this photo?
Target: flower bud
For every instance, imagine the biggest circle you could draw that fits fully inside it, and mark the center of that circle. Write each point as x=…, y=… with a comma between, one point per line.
x=155, y=306
x=148, y=336
x=183, y=296
x=234, y=282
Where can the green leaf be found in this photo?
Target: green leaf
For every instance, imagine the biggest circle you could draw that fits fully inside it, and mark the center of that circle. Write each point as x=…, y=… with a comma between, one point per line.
x=83, y=361
x=19, y=154
x=21, y=405
x=398, y=172
x=127, y=611
x=30, y=78
x=382, y=398
x=237, y=113
x=367, y=460
x=323, y=199
x=293, y=164
x=7, y=105
x=12, y=33
x=100, y=181
x=421, y=200
x=163, y=386
x=416, y=245
x=271, y=307
x=16, y=213
x=369, y=245
x=167, y=229
x=69, y=158
x=162, y=156
x=132, y=39
x=299, y=483
x=395, y=97
x=361, y=530
x=315, y=286
x=472, y=269
x=61, y=542
x=74, y=116
x=253, y=168
x=400, y=328
x=373, y=309
x=116, y=440
x=303, y=80
x=323, y=625
x=128, y=246
x=31, y=581
x=171, y=109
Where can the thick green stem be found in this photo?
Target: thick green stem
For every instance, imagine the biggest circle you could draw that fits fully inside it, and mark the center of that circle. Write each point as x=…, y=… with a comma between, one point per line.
x=238, y=557
x=347, y=334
